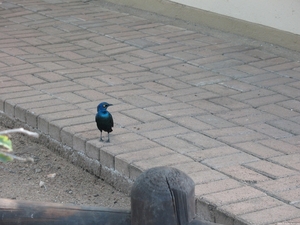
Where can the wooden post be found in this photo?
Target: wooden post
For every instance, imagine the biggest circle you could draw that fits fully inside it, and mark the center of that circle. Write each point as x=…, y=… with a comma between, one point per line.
x=163, y=195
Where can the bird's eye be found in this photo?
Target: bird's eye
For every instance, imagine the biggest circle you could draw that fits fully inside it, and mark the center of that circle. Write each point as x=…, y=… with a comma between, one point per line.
x=104, y=106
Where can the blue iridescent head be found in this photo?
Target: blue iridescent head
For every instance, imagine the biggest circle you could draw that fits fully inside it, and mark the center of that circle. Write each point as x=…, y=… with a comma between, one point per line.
x=103, y=106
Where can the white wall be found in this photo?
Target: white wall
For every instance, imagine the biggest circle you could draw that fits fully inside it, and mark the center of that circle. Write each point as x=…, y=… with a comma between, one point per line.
x=280, y=14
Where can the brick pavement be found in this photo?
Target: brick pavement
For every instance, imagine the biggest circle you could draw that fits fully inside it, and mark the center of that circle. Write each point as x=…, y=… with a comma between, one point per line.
x=226, y=113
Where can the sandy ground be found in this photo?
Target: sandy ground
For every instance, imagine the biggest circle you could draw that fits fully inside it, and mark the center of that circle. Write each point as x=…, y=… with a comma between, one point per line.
x=63, y=182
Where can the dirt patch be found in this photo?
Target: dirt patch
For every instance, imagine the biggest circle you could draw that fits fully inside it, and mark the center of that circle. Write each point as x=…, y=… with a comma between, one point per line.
x=63, y=182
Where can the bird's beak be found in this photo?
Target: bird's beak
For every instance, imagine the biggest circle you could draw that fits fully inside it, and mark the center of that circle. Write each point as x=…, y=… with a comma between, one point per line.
x=110, y=104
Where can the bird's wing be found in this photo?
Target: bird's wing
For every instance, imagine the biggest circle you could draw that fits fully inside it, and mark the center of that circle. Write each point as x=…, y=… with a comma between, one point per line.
x=111, y=120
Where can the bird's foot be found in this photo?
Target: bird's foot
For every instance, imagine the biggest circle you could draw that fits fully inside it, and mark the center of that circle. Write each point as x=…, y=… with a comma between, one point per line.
x=107, y=140
x=101, y=139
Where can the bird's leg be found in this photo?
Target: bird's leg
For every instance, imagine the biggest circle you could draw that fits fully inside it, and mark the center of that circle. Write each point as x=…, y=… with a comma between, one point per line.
x=101, y=136
x=107, y=136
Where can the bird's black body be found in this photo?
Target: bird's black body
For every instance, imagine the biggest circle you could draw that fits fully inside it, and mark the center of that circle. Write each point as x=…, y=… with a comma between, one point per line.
x=104, y=119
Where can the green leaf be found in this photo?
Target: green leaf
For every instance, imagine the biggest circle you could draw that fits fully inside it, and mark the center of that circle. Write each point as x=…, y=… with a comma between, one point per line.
x=5, y=158
x=5, y=143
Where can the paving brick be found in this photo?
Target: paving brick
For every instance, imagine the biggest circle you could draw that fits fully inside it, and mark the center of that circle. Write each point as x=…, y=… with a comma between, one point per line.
x=243, y=174
x=258, y=150
x=159, y=98
x=138, y=100
x=142, y=115
x=215, y=121
x=177, y=144
x=168, y=160
x=152, y=126
x=209, y=106
x=80, y=139
x=251, y=205
x=50, y=76
x=255, y=118
x=29, y=79
x=216, y=186
x=212, y=153
x=125, y=121
x=290, y=161
x=287, y=91
x=280, y=145
x=229, y=103
x=207, y=176
x=291, y=104
x=229, y=160
x=121, y=137
x=165, y=132
x=238, y=86
x=294, y=140
x=122, y=161
x=280, y=184
x=108, y=153
x=10, y=104
x=291, y=197
x=191, y=167
x=192, y=123
x=67, y=132
x=271, y=215
x=269, y=130
x=46, y=117
x=270, y=169
x=93, y=149
x=233, y=195
x=286, y=125
x=55, y=127
x=220, y=89
x=141, y=77
x=230, y=131
x=252, y=136
x=200, y=140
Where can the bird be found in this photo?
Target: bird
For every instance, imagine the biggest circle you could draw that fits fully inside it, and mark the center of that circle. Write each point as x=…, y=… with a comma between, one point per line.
x=104, y=119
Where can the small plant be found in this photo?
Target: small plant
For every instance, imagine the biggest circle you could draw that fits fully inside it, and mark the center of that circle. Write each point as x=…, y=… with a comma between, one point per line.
x=6, y=145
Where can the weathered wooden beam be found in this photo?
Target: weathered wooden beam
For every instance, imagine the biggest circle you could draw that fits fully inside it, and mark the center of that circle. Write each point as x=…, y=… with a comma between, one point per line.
x=159, y=196
x=13, y=212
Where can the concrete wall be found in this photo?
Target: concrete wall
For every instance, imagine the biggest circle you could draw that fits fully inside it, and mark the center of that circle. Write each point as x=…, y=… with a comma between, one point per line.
x=278, y=14
x=273, y=21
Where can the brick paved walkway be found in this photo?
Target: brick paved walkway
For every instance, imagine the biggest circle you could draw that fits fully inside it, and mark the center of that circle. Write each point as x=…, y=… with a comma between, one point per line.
x=228, y=114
